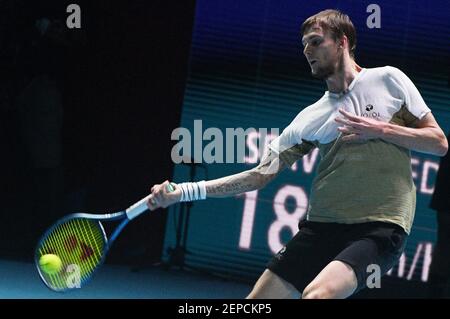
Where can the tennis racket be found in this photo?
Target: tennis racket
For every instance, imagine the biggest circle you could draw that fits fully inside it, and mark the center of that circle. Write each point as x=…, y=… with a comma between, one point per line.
x=77, y=245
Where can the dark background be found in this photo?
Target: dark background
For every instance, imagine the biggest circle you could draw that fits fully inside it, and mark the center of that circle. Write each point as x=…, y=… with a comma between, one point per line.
x=88, y=136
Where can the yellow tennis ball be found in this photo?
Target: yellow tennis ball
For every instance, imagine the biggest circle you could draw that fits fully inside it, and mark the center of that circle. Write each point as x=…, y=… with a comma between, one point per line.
x=50, y=264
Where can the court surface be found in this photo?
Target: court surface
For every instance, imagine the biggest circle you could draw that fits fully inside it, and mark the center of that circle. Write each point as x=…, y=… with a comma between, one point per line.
x=20, y=280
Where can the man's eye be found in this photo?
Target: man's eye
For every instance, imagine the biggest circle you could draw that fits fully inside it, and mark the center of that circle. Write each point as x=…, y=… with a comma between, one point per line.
x=315, y=42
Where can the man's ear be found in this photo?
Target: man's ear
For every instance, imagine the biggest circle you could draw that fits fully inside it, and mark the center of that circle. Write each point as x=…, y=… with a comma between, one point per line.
x=342, y=41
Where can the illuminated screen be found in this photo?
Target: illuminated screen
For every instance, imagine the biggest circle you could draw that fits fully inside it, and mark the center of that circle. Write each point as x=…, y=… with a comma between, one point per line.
x=247, y=71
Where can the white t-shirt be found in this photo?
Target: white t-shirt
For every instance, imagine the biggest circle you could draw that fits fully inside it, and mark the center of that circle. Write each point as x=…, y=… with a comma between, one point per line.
x=376, y=93
x=359, y=182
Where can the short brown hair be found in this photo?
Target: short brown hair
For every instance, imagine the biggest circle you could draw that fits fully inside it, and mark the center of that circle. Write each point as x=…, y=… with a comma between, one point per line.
x=337, y=23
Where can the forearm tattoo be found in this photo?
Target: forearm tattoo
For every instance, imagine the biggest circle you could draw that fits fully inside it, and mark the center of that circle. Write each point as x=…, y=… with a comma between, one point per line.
x=231, y=185
x=242, y=182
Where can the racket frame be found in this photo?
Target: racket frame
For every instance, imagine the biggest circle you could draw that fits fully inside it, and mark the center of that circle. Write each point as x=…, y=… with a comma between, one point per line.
x=108, y=241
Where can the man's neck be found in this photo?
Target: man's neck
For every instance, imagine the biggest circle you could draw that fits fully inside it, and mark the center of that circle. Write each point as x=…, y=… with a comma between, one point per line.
x=343, y=77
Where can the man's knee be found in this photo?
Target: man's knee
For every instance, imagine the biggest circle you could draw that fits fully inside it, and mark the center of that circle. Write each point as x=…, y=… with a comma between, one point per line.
x=337, y=280
x=323, y=291
x=271, y=286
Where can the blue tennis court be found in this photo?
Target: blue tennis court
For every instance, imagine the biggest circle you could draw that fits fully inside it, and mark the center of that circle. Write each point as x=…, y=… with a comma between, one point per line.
x=20, y=280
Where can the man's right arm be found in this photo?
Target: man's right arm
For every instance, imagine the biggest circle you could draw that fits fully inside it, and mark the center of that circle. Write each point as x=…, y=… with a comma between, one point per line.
x=270, y=166
x=256, y=178
x=249, y=180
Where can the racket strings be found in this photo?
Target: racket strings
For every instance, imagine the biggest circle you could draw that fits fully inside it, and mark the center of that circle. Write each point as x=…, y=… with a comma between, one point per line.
x=80, y=244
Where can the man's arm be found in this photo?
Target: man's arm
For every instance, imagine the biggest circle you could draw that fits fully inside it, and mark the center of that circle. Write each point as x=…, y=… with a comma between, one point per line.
x=246, y=181
x=269, y=167
x=426, y=136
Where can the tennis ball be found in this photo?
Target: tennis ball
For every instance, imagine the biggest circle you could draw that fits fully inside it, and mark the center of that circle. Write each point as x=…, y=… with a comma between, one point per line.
x=50, y=264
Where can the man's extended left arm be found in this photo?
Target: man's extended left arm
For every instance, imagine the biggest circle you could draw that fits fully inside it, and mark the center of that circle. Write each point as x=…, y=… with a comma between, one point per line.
x=425, y=137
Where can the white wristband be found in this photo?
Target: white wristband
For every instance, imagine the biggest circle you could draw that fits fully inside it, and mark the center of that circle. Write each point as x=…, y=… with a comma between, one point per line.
x=192, y=191
x=202, y=188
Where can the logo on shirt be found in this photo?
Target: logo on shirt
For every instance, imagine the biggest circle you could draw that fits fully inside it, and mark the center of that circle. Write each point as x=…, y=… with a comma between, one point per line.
x=280, y=254
x=369, y=107
x=370, y=112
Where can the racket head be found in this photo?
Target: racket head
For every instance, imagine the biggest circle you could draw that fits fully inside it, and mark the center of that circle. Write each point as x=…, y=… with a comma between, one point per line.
x=79, y=240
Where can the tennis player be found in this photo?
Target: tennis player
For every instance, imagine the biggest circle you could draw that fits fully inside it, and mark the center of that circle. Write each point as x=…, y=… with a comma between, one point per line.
x=363, y=198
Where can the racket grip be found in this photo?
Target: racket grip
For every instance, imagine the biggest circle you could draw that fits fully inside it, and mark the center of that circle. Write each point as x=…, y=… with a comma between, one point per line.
x=141, y=206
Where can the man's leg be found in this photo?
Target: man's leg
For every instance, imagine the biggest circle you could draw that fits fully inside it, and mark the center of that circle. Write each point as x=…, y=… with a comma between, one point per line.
x=272, y=286
x=336, y=281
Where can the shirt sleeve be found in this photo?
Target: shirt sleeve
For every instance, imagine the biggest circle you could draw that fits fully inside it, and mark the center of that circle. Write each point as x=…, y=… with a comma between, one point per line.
x=290, y=146
x=408, y=92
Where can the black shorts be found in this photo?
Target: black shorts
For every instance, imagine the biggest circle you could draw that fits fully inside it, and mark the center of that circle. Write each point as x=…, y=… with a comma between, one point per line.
x=358, y=245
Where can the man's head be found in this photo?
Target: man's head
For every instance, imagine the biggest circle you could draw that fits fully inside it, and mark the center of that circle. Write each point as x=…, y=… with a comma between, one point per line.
x=327, y=37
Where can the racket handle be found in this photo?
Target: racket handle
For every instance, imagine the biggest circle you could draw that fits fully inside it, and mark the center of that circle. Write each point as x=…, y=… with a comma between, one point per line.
x=141, y=206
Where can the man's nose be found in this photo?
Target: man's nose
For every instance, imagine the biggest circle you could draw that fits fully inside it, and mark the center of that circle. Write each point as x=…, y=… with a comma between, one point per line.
x=306, y=50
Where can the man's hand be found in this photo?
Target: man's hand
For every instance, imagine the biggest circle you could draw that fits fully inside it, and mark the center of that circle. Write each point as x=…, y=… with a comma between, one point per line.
x=358, y=128
x=162, y=197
